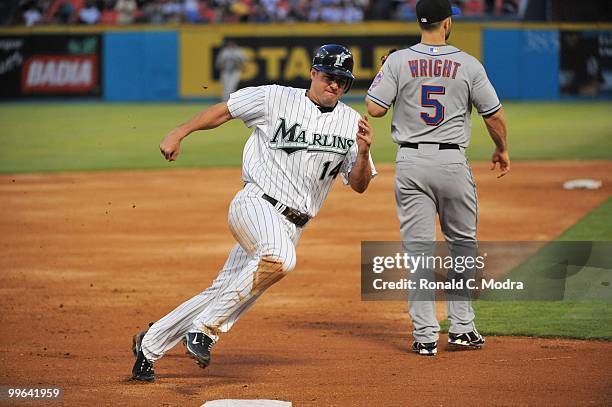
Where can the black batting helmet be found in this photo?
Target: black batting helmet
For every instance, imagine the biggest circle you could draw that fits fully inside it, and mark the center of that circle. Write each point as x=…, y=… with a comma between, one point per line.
x=335, y=60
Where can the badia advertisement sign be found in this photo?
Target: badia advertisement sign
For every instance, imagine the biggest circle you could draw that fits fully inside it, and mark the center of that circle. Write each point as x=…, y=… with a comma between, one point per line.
x=50, y=65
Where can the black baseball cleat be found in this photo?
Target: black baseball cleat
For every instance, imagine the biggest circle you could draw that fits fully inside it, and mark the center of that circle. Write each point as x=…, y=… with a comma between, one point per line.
x=468, y=340
x=425, y=349
x=143, y=369
x=198, y=346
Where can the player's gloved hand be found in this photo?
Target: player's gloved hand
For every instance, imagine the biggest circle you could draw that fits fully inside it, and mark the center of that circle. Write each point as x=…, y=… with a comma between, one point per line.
x=503, y=159
x=364, y=135
x=170, y=146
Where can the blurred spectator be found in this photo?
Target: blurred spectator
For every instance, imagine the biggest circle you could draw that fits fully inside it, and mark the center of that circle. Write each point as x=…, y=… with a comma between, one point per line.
x=282, y=10
x=108, y=14
x=475, y=7
x=192, y=11
x=89, y=14
x=315, y=11
x=269, y=6
x=172, y=11
x=496, y=7
x=151, y=13
x=208, y=11
x=125, y=11
x=352, y=12
x=260, y=15
x=64, y=13
x=298, y=10
x=32, y=14
x=405, y=12
x=331, y=13
x=240, y=11
x=510, y=7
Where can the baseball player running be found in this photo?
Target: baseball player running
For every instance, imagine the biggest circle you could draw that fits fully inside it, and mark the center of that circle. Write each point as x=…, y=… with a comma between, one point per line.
x=301, y=140
x=432, y=87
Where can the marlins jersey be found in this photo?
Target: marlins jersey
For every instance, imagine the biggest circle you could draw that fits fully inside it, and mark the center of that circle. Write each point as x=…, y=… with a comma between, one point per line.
x=295, y=151
x=432, y=90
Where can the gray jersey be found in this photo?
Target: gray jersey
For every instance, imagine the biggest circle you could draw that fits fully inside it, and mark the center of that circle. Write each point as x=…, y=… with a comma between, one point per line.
x=432, y=89
x=230, y=59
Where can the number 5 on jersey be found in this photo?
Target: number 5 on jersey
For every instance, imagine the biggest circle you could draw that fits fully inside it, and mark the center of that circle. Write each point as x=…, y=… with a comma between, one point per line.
x=428, y=93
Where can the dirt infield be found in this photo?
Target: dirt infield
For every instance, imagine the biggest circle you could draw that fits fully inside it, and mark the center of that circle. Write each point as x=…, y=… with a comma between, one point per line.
x=89, y=259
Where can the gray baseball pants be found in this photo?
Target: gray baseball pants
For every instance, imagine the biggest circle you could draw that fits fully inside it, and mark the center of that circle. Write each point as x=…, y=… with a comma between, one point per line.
x=429, y=181
x=229, y=82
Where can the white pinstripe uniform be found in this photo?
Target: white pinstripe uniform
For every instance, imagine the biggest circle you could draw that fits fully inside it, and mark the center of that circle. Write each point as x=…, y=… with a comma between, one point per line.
x=293, y=155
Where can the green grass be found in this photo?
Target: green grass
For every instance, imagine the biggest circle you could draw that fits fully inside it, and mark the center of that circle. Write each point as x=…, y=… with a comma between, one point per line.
x=90, y=136
x=596, y=225
x=588, y=312
x=39, y=137
x=579, y=320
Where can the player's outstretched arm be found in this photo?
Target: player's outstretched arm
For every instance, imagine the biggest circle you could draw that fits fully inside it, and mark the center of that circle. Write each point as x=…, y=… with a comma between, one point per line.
x=361, y=173
x=208, y=119
x=496, y=125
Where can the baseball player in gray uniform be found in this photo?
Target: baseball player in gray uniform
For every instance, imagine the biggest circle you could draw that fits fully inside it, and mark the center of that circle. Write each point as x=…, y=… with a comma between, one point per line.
x=230, y=61
x=432, y=87
x=301, y=140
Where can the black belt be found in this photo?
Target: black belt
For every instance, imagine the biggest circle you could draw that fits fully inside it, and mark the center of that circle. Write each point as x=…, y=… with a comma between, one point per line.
x=294, y=216
x=441, y=146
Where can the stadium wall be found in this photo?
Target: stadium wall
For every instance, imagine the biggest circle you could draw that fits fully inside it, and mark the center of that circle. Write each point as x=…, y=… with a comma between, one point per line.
x=523, y=64
x=141, y=66
x=177, y=62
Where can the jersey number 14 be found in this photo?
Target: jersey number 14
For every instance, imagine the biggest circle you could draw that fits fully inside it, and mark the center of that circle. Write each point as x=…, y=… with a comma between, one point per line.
x=428, y=94
x=333, y=173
